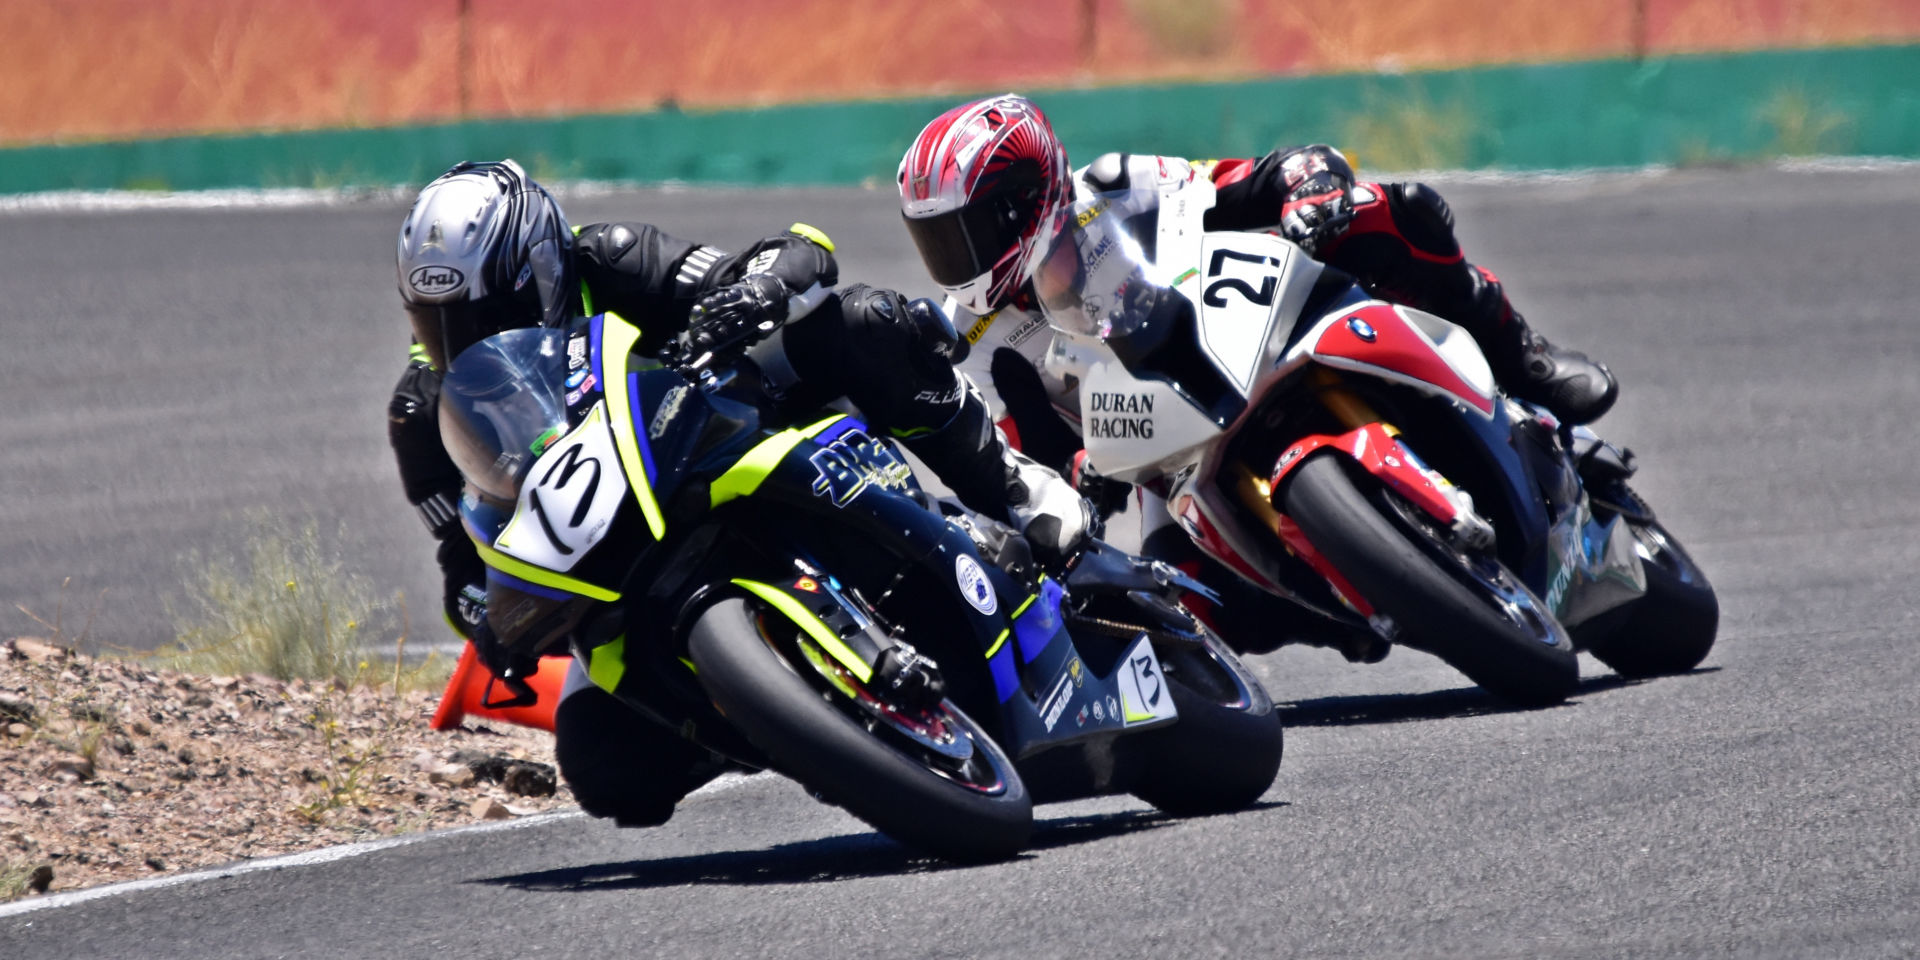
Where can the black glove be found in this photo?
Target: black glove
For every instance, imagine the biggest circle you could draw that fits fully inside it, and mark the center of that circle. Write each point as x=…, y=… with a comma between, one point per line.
x=463, y=579
x=467, y=608
x=1318, y=210
x=747, y=310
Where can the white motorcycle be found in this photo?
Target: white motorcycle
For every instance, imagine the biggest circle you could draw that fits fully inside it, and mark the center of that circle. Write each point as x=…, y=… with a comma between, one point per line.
x=1277, y=406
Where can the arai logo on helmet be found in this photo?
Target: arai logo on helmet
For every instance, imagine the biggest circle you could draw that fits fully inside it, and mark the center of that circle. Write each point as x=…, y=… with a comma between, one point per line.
x=974, y=585
x=433, y=281
x=1362, y=329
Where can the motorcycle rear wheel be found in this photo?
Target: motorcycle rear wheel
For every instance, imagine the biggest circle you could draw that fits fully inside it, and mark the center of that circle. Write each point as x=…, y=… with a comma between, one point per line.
x=1469, y=611
x=973, y=812
x=1670, y=629
x=1224, y=751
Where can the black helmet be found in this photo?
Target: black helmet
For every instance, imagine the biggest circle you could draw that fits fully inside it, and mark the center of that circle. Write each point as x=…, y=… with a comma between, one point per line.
x=484, y=249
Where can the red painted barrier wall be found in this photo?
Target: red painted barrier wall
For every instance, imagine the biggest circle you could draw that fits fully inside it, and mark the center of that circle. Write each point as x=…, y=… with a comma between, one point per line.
x=89, y=69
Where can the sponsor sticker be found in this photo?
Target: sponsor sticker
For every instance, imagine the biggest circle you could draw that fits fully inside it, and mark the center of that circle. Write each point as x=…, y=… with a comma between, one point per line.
x=1056, y=703
x=1119, y=416
x=974, y=586
x=669, y=408
x=979, y=328
x=574, y=378
x=854, y=460
x=587, y=384
x=577, y=351
x=433, y=281
x=1025, y=332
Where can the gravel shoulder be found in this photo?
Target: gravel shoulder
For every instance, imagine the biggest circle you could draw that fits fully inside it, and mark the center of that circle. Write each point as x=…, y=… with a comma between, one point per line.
x=114, y=770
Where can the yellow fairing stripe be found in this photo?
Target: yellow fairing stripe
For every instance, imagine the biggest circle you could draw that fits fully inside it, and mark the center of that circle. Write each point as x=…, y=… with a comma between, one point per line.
x=750, y=471
x=546, y=578
x=814, y=626
x=999, y=642
x=812, y=233
x=617, y=338
x=607, y=664
x=1023, y=607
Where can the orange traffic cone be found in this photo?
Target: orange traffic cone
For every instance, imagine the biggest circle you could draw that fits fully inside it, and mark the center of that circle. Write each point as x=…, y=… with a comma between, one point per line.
x=467, y=691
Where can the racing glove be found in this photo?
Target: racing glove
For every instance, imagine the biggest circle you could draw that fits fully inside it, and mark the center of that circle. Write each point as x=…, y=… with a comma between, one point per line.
x=738, y=312
x=1319, y=203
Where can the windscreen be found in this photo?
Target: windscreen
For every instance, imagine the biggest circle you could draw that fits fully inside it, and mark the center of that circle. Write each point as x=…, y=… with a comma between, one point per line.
x=1096, y=281
x=501, y=401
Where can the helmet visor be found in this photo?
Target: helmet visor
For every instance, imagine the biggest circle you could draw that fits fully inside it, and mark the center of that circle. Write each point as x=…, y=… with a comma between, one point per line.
x=499, y=401
x=962, y=244
x=448, y=329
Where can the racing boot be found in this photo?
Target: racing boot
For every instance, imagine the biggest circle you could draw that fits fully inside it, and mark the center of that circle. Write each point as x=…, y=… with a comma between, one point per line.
x=1577, y=389
x=973, y=458
x=623, y=766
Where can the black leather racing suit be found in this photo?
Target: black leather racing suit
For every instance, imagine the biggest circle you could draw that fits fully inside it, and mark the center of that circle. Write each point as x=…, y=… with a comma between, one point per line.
x=864, y=344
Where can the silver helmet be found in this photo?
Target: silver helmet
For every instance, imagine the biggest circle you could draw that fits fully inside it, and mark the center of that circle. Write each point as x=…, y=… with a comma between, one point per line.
x=484, y=249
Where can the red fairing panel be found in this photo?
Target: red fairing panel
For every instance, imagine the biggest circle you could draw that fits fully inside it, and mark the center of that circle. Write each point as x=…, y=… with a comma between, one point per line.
x=1381, y=454
x=1194, y=521
x=1397, y=346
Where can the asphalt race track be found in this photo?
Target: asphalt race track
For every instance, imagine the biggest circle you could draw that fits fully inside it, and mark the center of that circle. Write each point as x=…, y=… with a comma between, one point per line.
x=164, y=373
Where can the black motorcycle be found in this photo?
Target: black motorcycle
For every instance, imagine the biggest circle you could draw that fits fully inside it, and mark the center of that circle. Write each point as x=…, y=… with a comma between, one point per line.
x=781, y=591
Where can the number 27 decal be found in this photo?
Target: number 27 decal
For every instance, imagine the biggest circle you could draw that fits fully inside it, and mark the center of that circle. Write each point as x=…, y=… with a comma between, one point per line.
x=1263, y=297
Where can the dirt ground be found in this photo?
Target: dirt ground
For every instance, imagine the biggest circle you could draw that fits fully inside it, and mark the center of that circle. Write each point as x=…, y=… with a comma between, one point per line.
x=114, y=770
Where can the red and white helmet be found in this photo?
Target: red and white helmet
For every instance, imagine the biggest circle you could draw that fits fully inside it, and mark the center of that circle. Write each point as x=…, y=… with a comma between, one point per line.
x=984, y=189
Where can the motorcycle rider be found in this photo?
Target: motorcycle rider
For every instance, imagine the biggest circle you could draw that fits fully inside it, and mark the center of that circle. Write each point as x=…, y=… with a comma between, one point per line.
x=486, y=249
x=985, y=190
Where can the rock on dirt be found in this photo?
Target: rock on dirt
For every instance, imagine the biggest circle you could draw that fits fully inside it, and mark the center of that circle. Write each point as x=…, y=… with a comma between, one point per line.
x=487, y=808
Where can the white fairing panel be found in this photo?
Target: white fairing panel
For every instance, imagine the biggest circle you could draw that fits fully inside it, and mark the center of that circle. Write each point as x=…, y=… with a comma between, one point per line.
x=1247, y=289
x=1135, y=429
x=569, y=499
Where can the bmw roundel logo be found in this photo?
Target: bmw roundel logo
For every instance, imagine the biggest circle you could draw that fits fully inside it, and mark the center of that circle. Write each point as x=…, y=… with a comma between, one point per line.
x=1361, y=329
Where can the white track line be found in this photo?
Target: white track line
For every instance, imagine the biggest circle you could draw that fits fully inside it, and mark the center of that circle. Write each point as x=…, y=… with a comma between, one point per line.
x=314, y=857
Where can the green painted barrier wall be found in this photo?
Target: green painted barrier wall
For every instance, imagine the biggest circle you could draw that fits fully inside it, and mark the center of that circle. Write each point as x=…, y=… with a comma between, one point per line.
x=1605, y=113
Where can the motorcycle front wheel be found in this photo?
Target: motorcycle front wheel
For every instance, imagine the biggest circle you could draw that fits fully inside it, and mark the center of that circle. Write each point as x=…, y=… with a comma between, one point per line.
x=1224, y=751
x=1468, y=610
x=933, y=780
x=1671, y=628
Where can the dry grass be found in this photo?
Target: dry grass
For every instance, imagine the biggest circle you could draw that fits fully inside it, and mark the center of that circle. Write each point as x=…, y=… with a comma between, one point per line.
x=291, y=610
x=14, y=876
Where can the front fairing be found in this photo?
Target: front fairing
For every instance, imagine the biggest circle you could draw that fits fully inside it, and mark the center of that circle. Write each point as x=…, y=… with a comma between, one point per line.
x=593, y=490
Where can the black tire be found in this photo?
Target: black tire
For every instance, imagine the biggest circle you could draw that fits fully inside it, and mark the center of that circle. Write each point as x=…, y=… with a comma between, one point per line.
x=1672, y=628
x=818, y=744
x=1471, y=612
x=1224, y=751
